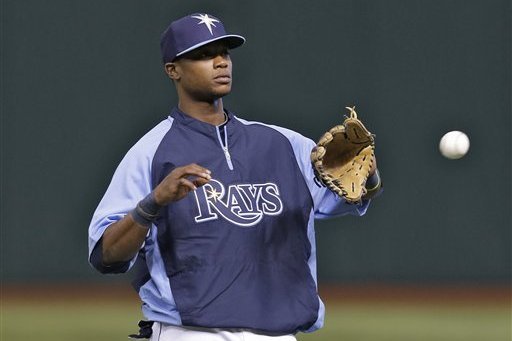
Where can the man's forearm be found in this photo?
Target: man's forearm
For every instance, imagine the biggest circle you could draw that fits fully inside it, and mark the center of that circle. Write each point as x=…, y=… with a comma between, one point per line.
x=122, y=240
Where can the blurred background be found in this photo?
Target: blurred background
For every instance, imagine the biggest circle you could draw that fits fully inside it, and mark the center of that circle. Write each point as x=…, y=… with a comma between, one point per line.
x=82, y=81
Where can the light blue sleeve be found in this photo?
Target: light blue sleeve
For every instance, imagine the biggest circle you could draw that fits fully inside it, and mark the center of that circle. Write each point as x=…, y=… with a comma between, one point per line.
x=326, y=203
x=131, y=183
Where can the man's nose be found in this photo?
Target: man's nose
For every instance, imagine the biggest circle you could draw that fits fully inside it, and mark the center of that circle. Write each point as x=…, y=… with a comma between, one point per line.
x=220, y=61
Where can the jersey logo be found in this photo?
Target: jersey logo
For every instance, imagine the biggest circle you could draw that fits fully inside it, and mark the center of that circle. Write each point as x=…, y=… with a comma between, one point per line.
x=243, y=204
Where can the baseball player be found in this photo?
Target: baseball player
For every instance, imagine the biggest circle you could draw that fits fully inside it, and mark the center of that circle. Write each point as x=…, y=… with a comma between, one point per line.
x=214, y=211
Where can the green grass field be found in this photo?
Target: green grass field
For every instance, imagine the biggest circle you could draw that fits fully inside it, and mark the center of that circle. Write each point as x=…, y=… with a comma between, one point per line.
x=403, y=322
x=99, y=321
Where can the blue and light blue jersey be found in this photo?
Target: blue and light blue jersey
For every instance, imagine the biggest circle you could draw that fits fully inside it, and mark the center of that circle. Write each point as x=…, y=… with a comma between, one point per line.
x=238, y=252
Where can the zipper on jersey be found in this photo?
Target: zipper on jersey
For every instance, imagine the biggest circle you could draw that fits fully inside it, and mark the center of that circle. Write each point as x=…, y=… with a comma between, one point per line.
x=224, y=145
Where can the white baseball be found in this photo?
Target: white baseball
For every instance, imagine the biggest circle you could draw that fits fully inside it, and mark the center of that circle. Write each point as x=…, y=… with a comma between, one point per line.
x=454, y=144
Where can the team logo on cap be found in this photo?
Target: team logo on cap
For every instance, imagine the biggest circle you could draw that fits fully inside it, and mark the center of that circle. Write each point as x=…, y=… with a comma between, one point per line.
x=205, y=19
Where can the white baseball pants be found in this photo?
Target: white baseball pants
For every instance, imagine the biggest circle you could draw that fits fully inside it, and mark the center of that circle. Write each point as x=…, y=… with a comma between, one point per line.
x=165, y=332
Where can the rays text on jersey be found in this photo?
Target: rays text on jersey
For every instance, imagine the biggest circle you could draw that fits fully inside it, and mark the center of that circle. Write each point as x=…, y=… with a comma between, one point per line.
x=241, y=204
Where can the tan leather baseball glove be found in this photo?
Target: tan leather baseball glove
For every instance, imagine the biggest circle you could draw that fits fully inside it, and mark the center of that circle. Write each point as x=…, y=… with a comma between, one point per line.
x=343, y=157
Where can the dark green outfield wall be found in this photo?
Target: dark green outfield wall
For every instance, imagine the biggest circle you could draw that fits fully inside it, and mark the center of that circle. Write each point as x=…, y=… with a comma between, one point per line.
x=82, y=81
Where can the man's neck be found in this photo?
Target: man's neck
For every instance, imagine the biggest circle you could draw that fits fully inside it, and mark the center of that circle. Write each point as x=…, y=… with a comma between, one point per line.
x=212, y=113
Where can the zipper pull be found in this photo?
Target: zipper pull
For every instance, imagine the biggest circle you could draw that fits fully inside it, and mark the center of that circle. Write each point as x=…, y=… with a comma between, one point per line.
x=226, y=152
x=228, y=157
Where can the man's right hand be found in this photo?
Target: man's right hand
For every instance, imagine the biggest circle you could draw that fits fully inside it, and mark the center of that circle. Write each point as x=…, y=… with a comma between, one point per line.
x=179, y=182
x=124, y=238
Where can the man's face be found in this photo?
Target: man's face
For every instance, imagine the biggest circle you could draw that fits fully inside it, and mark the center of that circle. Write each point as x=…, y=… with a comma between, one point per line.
x=204, y=74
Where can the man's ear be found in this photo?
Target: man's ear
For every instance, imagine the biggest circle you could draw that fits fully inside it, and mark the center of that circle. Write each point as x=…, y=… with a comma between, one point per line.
x=171, y=71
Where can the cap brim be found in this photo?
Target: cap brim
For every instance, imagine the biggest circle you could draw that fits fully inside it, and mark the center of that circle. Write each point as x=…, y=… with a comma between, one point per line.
x=233, y=41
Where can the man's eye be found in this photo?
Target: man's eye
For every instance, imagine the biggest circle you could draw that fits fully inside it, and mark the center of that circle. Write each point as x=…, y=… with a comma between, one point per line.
x=207, y=55
x=210, y=54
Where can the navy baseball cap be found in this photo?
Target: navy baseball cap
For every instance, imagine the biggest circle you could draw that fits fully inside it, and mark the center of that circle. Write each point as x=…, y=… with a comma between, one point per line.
x=193, y=31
